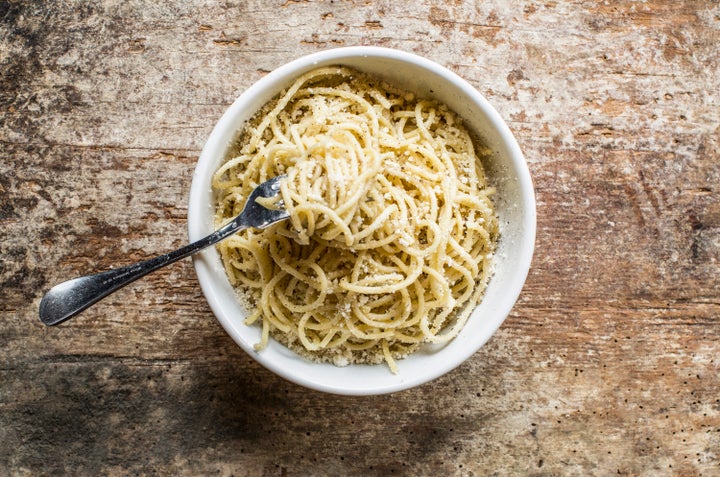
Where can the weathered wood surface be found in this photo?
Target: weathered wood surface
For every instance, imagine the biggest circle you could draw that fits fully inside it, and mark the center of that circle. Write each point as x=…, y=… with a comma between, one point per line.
x=608, y=365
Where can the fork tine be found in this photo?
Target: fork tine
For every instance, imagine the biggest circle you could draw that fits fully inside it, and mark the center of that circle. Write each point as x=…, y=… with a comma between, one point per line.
x=255, y=214
x=269, y=188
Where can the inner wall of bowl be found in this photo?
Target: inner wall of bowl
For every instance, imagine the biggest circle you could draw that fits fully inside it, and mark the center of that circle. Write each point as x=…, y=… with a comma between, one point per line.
x=428, y=80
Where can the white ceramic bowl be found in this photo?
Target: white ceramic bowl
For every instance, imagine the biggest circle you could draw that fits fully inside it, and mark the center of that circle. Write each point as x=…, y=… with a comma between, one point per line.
x=514, y=202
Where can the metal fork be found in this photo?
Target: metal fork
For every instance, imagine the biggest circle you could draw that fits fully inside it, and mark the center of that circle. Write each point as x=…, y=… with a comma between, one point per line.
x=69, y=298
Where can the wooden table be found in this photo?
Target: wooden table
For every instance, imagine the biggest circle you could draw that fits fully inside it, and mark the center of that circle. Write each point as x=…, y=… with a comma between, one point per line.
x=608, y=365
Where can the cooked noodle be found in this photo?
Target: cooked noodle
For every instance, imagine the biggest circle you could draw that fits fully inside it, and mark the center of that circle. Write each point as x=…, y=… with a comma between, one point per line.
x=391, y=232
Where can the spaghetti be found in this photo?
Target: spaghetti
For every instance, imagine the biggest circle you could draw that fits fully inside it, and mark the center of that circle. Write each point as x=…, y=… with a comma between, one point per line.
x=391, y=232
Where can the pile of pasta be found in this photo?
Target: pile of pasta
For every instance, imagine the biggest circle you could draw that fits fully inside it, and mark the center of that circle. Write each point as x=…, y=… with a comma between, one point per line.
x=392, y=229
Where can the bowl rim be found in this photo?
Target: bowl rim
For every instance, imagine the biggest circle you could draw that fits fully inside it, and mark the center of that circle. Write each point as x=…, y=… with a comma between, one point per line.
x=205, y=263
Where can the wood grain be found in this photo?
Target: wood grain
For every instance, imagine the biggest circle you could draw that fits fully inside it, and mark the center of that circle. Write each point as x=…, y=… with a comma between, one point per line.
x=608, y=365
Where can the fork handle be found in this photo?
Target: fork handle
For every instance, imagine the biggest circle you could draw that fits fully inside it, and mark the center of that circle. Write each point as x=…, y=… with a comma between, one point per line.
x=69, y=298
